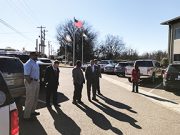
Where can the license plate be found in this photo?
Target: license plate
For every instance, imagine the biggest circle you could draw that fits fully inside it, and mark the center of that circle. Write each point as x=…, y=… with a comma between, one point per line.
x=10, y=82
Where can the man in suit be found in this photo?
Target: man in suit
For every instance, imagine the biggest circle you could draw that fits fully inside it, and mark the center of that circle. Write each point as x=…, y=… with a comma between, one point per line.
x=91, y=74
x=78, y=80
x=52, y=81
x=98, y=76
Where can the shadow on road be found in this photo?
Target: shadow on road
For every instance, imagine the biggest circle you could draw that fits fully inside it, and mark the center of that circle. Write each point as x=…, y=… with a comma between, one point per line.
x=116, y=104
x=148, y=84
x=31, y=127
x=99, y=119
x=117, y=115
x=159, y=99
x=64, y=124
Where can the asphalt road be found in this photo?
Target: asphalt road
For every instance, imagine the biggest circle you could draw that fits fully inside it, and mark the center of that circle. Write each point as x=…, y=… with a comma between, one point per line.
x=119, y=111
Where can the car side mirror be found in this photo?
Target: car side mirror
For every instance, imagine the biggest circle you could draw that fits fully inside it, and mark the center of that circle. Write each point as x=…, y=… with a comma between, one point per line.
x=2, y=98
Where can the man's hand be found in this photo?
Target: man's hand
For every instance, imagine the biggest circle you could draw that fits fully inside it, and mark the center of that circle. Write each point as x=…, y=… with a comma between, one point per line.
x=28, y=79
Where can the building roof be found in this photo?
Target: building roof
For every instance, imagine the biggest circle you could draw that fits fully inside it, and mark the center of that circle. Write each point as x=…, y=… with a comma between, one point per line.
x=171, y=21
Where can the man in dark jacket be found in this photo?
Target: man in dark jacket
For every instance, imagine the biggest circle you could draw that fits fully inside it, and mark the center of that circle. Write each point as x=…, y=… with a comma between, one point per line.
x=91, y=74
x=52, y=81
x=99, y=76
x=78, y=80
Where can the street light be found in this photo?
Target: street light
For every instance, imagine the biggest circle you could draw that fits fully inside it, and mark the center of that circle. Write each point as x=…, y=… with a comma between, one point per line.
x=68, y=39
x=83, y=35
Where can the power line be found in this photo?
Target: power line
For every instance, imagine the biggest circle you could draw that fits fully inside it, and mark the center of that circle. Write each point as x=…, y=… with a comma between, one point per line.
x=12, y=28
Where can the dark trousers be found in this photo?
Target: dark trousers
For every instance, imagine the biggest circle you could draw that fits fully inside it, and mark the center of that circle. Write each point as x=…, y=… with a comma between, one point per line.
x=135, y=87
x=98, y=86
x=77, y=91
x=94, y=86
x=51, y=91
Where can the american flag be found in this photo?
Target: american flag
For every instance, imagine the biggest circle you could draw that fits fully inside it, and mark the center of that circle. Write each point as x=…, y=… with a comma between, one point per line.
x=78, y=23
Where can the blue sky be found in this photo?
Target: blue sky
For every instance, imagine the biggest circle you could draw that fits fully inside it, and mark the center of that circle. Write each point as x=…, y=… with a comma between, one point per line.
x=137, y=22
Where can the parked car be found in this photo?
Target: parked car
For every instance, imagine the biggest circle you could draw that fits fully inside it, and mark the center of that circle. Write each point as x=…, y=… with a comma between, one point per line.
x=171, y=76
x=103, y=63
x=121, y=66
x=9, y=120
x=149, y=69
x=85, y=65
x=43, y=64
x=109, y=68
x=13, y=73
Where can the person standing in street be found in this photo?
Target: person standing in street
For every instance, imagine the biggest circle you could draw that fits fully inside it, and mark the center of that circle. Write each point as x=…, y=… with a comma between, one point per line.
x=91, y=74
x=78, y=81
x=135, y=78
x=98, y=76
x=31, y=75
x=52, y=82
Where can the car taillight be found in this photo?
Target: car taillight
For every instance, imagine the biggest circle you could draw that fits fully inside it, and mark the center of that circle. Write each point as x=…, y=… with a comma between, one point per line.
x=14, y=122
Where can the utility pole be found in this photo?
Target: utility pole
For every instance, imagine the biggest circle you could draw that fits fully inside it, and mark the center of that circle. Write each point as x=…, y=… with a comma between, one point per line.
x=42, y=40
x=49, y=48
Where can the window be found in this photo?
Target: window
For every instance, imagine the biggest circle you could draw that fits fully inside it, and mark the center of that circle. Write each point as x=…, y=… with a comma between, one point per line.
x=11, y=66
x=176, y=57
x=177, y=33
x=144, y=63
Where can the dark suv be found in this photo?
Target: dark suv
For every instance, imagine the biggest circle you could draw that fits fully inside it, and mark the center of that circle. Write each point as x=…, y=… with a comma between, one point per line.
x=13, y=73
x=171, y=77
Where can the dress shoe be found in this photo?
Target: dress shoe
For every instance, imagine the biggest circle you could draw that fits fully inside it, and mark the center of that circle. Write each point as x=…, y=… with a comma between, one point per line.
x=48, y=105
x=100, y=94
x=57, y=105
x=80, y=102
x=95, y=99
x=74, y=102
x=35, y=113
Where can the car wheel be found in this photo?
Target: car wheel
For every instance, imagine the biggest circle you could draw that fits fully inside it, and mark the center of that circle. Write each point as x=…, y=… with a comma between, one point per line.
x=129, y=79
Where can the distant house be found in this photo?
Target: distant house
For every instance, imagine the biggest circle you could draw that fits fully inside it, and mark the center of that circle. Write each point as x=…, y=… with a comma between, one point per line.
x=174, y=39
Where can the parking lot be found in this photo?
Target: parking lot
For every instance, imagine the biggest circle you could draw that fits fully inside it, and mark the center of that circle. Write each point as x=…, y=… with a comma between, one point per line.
x=119, y=111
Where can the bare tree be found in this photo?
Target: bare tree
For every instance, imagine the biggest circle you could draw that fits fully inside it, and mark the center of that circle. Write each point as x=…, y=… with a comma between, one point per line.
x=69, y=30
x=112, y=47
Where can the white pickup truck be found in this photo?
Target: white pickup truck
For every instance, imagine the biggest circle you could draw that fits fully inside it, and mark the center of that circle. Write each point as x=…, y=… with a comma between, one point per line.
x=149, y=69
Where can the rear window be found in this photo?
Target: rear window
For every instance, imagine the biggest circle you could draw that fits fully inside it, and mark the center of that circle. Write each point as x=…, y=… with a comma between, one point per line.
x=11, y=65
x=144, y=63
x=123, y=64
x=23, y=58
x=174, y=68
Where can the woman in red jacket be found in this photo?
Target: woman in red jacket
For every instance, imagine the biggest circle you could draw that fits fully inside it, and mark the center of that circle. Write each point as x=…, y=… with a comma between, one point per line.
x=135, y=78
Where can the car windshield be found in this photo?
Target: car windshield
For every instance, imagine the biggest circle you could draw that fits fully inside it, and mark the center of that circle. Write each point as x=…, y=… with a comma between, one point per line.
x=174, y=69
x=123, y=64
x=11, y=65
x=144, y=63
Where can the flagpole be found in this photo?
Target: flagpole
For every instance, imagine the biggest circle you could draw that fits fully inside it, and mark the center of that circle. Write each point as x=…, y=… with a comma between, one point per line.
x=82, y=48
x=74, y=48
